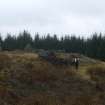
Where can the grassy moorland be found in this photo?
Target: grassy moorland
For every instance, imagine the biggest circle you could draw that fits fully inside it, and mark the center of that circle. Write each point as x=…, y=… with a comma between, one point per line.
x=25, y=79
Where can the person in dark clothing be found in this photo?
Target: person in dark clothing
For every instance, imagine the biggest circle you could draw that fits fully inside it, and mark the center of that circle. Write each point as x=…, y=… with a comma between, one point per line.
x=76, y=63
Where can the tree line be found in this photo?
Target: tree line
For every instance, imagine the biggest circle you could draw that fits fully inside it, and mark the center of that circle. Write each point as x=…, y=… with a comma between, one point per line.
x=93, y=46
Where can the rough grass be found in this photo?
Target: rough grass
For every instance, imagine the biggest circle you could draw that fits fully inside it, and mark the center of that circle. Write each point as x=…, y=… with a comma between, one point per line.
x=27, y=80
x=97, y=73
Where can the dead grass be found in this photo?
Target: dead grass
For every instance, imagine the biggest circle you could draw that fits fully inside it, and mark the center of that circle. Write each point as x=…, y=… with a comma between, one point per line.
x=27, y=80
x=97, y=73
x=5, y=61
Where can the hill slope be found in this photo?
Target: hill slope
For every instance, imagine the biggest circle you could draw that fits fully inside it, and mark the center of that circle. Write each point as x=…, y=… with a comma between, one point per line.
x=25, y=79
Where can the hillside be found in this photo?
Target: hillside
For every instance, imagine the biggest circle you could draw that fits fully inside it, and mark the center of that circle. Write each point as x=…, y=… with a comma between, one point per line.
x=25, y=79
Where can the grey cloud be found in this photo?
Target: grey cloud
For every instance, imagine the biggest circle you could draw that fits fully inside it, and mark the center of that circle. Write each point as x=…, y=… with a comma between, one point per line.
x=55, y=16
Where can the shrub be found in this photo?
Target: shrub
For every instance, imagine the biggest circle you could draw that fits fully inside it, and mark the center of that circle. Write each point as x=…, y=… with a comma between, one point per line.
x=28, y=48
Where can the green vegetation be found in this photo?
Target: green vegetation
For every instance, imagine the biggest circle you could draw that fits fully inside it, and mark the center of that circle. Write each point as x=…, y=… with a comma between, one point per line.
x=92, y=46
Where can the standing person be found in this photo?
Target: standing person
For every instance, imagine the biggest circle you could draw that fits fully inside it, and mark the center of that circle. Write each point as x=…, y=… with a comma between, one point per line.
x=76, y=63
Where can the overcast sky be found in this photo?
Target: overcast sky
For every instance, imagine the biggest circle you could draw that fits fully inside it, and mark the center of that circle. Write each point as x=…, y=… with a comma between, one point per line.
x=81, y=17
